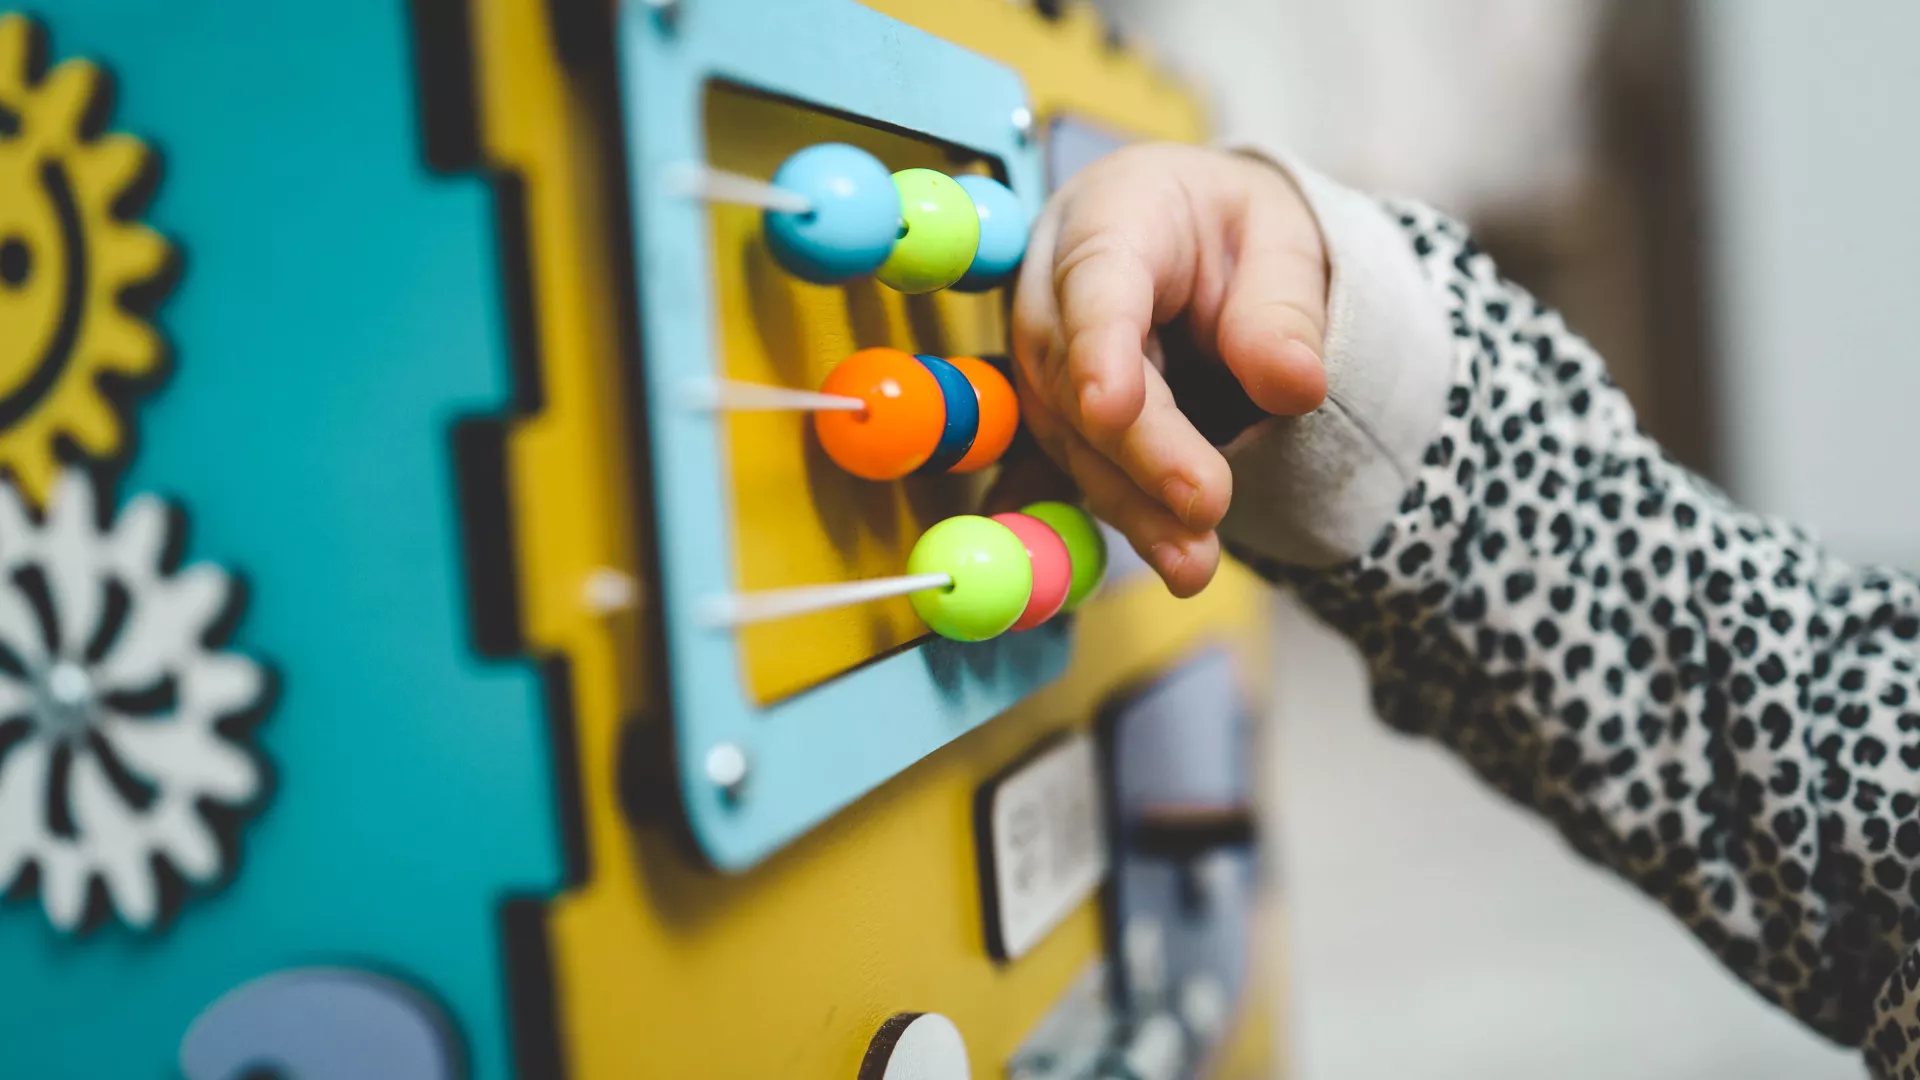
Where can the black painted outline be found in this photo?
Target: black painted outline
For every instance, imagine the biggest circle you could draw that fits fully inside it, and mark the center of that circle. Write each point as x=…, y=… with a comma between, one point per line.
x=873, y=1064
x=449, y=107
x=538, y=1049
x=452, y=143
x=480, y=459
x=58, y=355
x=579, y=27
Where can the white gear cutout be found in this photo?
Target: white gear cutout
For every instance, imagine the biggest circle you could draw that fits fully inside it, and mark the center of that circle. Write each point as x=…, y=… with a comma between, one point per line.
x=110, y=701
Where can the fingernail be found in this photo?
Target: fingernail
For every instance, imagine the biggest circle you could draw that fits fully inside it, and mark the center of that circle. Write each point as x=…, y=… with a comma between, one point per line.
x=1168, y=555
x=1162, y=554
x=1309, y=369
x=1179, y=495
x=1300, y=352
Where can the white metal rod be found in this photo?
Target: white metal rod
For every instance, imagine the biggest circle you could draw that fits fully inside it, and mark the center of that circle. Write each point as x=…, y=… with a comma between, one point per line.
x=726, y=395
x=699, y=181
x=742, y=609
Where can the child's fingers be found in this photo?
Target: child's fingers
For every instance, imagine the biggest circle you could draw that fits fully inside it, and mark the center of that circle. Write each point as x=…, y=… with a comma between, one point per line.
x=1124, y=408
x=1105, y=293
x=1185, y=558
x=1167, y=457
x=1133, y=242
x=1110, y=284
x=1163, y=454
x=1045, y=345
x=1272, y=329
x=1041, y=348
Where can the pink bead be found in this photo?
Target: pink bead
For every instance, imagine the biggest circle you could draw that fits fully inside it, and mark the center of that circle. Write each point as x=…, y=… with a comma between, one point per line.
x=1052, y=568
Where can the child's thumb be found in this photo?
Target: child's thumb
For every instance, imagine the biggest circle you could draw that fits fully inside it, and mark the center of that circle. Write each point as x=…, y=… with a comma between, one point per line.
x=1272, y=327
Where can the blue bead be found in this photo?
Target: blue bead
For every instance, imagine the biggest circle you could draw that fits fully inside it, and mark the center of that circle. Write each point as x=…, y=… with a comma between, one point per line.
x=963, y=415
x=1003, y=233
x=854, y=221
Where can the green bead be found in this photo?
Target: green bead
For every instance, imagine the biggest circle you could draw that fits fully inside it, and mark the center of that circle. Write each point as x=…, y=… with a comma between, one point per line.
x=942, y=233
x=1086, y=546
x=992, y=578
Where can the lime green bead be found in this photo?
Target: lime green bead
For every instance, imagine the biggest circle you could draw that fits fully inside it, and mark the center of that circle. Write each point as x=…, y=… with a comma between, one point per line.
x=1086, y=546
x=992, y=578
x=942, y=233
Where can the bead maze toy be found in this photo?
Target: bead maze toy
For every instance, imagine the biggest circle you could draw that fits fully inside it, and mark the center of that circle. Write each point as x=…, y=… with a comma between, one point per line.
x=592, y=654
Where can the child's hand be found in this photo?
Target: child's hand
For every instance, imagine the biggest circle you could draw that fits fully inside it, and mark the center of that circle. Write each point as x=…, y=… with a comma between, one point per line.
x=1131, y=243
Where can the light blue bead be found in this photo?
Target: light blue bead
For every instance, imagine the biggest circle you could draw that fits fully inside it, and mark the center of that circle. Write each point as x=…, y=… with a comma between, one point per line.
x=854, y=221
x=1003, y=233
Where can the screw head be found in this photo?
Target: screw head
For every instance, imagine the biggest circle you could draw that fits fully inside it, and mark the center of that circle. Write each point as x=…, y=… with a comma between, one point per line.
x=1023, y=123
x=664, y=11
x=69, y=685
x=727, y=769
x=607, y=591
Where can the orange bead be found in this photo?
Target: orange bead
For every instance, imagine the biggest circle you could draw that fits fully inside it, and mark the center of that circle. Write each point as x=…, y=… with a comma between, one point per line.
x=901, y=425
x=999, y=413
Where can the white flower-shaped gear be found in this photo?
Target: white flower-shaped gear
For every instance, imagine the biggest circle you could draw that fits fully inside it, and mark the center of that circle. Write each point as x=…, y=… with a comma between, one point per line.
x=110, y=704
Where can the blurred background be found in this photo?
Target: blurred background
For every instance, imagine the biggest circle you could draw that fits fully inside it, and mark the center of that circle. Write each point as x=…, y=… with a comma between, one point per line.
x=1713, y=192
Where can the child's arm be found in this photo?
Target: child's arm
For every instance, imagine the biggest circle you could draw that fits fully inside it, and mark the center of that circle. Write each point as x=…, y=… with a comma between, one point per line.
x=1698, y=698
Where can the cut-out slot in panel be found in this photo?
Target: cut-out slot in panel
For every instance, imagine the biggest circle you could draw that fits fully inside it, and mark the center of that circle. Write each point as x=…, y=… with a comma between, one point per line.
x=798, y=518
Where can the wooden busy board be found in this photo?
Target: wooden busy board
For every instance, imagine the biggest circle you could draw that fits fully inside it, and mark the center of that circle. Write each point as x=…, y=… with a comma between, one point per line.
x=412, y=399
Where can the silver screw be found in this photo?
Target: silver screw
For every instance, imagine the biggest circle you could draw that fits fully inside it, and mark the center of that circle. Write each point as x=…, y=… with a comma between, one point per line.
x=727, y=770
x=1023, y=123
x=66, y=698
x=69, y=686
x=607, y=591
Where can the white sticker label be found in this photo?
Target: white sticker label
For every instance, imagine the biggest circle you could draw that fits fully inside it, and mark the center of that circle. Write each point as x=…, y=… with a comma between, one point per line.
x=1048, y=844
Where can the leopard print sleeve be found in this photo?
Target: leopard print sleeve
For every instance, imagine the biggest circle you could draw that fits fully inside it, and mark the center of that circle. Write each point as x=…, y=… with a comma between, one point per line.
x=1698, y=698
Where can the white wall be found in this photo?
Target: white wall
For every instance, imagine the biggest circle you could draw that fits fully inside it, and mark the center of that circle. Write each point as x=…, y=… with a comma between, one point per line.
x=1815, y=111
x=1393, y=95
x=1436, y=931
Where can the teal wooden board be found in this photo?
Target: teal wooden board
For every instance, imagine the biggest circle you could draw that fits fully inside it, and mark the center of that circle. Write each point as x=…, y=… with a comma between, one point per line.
x=340, y=308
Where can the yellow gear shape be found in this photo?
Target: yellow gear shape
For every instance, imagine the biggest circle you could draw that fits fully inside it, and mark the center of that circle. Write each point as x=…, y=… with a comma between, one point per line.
x=70, y=260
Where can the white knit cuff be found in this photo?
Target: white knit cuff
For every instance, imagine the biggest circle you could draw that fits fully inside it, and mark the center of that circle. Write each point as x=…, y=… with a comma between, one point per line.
x=1315, y=490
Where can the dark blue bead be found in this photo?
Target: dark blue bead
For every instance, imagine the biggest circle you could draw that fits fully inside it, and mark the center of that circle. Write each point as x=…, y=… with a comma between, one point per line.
x=963, y=415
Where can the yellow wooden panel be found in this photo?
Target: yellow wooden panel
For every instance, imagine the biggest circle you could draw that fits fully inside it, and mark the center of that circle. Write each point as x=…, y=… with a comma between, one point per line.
x=788, y=971
x=1067, y=64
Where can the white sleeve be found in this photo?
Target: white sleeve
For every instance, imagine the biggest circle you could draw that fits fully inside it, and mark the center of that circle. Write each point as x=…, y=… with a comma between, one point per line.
x=1315, y=490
